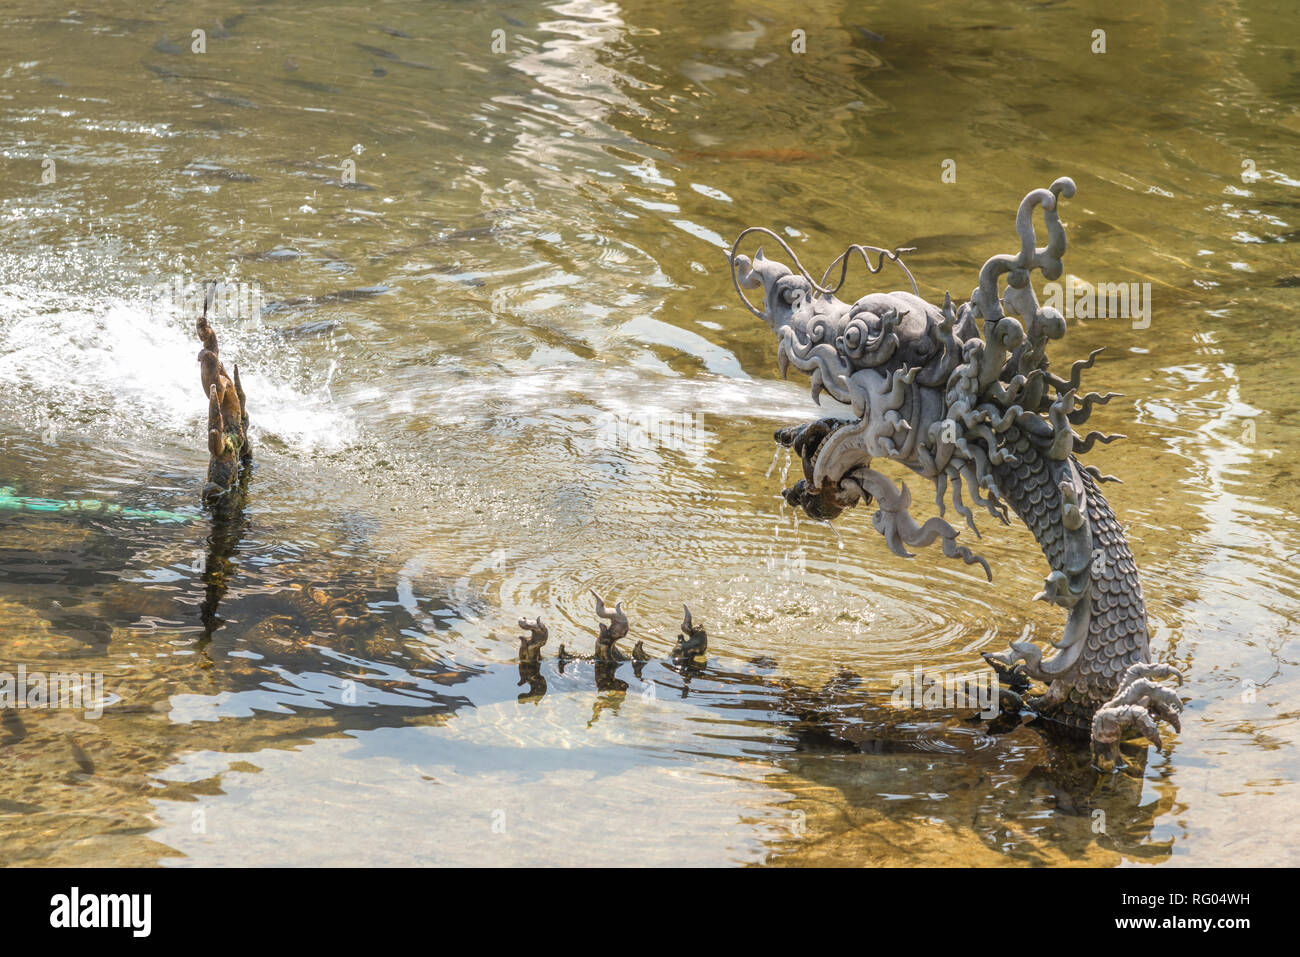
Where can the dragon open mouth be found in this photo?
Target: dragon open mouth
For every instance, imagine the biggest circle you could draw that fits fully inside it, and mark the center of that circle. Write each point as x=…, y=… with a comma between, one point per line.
x=807, y=441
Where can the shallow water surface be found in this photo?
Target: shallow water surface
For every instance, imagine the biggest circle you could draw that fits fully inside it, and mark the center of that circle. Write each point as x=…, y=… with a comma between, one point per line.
x=504, y=365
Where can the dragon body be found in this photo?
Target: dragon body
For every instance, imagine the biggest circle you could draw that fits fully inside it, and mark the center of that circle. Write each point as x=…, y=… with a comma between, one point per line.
x=964, y=397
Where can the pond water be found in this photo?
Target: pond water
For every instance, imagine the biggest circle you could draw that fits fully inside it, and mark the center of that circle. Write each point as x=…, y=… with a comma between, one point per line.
x=440, y=355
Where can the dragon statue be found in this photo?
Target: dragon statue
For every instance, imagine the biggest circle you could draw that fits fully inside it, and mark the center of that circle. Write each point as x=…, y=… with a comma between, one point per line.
x=964, y=397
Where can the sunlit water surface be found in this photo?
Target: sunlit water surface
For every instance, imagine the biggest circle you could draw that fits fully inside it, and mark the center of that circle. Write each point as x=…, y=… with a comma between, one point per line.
x=531, y=254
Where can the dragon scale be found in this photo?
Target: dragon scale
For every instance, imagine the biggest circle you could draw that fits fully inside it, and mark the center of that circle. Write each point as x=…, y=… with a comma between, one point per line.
x=1104, y=634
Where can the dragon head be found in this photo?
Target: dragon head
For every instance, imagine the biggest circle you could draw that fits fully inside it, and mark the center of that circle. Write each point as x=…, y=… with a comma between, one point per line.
x=926, y=386
x=873, y=355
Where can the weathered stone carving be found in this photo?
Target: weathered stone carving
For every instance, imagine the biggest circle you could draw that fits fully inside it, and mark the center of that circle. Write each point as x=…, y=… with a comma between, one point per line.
x=530, y=643
x=692, y=645
x=228, y=445
x=691, y=650
x=606, y=649
x=972, y=406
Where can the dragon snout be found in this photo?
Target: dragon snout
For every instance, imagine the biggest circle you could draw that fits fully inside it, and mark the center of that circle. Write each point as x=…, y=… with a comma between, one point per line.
x=786, y=437
x=745, y=274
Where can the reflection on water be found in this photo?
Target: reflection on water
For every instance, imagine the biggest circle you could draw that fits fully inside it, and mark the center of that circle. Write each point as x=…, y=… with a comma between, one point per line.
x=498, y=363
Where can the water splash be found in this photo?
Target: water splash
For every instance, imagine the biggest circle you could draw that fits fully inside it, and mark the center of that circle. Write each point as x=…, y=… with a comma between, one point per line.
x=125, y=365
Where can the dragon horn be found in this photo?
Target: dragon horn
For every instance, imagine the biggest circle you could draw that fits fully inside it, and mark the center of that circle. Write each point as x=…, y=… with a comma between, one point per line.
x=686, y=622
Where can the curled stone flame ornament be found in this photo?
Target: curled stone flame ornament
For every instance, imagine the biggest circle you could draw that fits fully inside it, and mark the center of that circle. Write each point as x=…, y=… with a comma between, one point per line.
x=964, y=397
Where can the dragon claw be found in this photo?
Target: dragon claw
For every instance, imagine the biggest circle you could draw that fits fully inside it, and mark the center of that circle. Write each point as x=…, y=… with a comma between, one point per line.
x=1150, y=669
x=1137, y=704
x=1012, y=673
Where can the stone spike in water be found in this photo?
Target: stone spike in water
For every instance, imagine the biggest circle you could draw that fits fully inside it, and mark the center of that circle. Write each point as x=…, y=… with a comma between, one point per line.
x=972, y=406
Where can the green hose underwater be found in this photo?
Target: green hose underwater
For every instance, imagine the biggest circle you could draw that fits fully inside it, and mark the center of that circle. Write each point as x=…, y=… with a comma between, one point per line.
x=9, y=499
